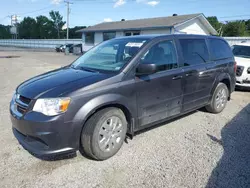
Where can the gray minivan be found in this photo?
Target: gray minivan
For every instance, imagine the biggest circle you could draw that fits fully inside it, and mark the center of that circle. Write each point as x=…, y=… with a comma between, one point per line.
x=118, y=88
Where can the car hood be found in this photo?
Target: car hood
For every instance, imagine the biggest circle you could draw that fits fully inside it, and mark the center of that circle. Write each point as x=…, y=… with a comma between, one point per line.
x=243, y=61
x=58, y=82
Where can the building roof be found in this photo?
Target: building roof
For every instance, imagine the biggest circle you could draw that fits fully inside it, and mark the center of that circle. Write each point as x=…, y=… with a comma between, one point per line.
x=148, y=23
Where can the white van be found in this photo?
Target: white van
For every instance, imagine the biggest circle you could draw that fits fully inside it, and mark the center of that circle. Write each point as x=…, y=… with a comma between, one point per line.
x=242, y=56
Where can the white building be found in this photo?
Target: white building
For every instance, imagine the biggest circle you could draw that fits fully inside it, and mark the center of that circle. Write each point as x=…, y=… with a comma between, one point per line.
x=189, y=24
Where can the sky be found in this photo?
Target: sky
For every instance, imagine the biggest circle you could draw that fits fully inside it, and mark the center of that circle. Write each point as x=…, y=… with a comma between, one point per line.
x=90, y=12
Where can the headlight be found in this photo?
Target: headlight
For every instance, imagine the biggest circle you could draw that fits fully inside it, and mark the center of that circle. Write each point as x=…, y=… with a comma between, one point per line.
x=52, y=106
x=14, y=97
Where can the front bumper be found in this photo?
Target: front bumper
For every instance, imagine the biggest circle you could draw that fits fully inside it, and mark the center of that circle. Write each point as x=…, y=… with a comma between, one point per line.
x=238, y=85
x=38, y=148
x=243, y=82
x=43, y=135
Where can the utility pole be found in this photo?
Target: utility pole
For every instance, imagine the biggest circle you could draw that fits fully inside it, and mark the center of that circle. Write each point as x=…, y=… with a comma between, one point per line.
x=68, y=12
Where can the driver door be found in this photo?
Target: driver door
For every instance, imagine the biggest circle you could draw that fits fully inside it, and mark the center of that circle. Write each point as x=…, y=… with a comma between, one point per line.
x=159, y=95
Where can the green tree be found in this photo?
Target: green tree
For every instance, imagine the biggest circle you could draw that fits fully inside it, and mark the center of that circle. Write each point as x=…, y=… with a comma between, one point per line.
x=44, y=27
x=72, y=32
x=76, y=35
x=214, y=22
x=234, y=29
x=247, y=27
x=27, y=28
x=5, y=32
x=58, y=22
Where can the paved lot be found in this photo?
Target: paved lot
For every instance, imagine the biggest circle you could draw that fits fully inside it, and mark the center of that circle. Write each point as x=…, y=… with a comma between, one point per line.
x=198, y=150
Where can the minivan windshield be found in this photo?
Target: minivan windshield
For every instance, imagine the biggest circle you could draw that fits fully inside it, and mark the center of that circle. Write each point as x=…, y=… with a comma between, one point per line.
x=241, y=51
x=110, y=56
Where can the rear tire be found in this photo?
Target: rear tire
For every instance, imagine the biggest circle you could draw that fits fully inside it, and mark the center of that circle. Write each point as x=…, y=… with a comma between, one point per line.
x=219, y=99
x=104, y=133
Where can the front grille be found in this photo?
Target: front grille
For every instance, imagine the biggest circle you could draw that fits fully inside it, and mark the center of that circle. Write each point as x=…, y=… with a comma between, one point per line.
x=239, y=70
x=24, y=99
x=21, y=109
x=246, y=81
x=22, y=103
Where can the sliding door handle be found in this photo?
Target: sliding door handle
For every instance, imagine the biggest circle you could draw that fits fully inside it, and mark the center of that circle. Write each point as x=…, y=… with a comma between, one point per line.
x=177, y=77
x=191, y=73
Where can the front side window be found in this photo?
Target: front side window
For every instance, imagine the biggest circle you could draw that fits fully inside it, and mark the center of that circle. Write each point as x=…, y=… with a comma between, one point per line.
x=90, y=38
x=110, y=56
x=194, y=51
x=241, y=51
x=108, y=35
x=219, y=49
x=162, y=54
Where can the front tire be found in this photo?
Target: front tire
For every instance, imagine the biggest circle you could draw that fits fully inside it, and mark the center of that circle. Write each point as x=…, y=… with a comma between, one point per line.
x=219, y=99
x=104, y=133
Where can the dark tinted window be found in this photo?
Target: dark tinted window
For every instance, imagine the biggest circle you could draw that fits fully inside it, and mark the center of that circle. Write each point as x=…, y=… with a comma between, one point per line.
x=136, y=33
x=219, y=49
x=108, y=35
x=194, y=51
x=163, y=54
x=132, y=33
x=90, y=38
x=241, y=51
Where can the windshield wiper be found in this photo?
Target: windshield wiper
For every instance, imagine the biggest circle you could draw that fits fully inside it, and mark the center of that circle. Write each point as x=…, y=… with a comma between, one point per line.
x=87, y=69
x=200, y=56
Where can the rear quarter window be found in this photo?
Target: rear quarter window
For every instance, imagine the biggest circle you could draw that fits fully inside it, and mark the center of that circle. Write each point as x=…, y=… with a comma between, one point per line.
x=219, y=49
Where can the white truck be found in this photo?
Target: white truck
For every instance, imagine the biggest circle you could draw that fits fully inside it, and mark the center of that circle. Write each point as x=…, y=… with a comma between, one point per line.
x=242, y=56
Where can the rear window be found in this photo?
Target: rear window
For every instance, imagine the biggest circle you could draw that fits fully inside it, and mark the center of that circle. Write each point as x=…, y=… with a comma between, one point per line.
x=194, y=51
x=219, y=49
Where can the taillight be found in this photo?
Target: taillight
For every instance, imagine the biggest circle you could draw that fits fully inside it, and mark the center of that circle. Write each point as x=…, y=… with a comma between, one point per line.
x=235, y=66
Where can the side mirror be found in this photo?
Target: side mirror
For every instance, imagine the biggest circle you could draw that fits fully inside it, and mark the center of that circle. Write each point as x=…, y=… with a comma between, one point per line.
x=146, y=69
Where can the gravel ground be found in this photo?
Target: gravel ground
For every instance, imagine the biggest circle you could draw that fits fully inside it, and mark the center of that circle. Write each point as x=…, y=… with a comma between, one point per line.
x=197, y=150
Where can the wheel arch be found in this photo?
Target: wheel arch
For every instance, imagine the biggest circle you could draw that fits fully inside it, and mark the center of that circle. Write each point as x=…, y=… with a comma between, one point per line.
x=101, y=102
x=223, y=78
x=118, y=105
x=227, y=82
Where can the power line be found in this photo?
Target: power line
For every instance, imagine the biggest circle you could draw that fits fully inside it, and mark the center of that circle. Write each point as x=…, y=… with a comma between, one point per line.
x=3, y=18
x=234, y=20
x=243, y=15
x=99, y=1
x=30, y=12
x=34, y=11
x=112, y=2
